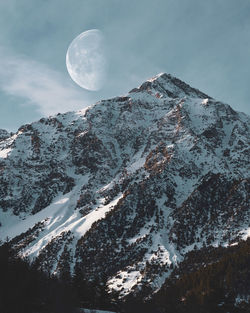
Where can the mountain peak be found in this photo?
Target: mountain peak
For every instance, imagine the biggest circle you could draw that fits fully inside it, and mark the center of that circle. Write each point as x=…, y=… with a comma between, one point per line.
x=169, y=86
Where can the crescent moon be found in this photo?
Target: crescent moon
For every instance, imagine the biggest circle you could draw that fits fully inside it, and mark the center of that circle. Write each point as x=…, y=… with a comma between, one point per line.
x=85, y=60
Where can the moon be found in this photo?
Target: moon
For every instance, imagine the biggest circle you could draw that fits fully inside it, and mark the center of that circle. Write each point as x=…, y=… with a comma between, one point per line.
x=86, y=61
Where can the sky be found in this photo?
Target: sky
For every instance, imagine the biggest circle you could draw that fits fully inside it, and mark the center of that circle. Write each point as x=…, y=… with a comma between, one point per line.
x=204, y=43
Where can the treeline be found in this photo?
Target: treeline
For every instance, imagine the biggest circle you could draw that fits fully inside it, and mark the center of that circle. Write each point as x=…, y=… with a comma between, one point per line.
x=196, y=286
x=213, y=287
x=209, y=280
x=25, y=289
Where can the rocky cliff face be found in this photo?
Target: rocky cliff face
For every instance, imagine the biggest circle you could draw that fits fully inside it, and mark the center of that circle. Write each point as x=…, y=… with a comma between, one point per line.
x=125, y=188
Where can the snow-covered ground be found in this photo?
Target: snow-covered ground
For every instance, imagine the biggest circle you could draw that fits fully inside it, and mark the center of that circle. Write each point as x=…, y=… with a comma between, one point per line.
x=59, y=217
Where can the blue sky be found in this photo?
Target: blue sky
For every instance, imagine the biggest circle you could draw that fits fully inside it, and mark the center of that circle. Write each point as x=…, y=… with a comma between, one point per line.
x=204, y=43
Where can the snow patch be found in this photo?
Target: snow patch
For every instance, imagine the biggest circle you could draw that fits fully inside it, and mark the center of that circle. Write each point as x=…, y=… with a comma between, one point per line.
x=124, y=281
x=4, y=153
x=245, y=233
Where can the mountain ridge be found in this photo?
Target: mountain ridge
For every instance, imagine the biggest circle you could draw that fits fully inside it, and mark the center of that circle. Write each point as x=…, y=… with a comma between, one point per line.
x=126, y=187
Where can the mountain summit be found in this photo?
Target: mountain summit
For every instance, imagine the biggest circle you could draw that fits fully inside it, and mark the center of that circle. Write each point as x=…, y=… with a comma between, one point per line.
x=126, y=188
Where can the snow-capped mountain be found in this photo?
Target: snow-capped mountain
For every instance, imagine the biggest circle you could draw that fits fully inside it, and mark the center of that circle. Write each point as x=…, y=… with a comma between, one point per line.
x=125, y=188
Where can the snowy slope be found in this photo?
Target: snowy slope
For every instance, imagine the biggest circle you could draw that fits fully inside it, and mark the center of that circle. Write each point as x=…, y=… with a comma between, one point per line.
x=128, y=186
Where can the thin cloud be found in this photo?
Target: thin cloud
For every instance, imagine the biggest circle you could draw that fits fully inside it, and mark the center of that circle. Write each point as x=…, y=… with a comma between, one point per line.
x=45, y=88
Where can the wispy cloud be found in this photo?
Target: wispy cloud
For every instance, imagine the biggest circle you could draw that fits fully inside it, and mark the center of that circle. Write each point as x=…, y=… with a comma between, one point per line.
x=45, y=88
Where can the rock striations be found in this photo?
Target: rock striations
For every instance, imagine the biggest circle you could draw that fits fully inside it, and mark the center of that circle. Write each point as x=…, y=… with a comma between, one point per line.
x=125, y=188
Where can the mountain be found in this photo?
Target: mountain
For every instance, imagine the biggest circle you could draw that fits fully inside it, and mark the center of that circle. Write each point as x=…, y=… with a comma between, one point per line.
x=124, y=190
